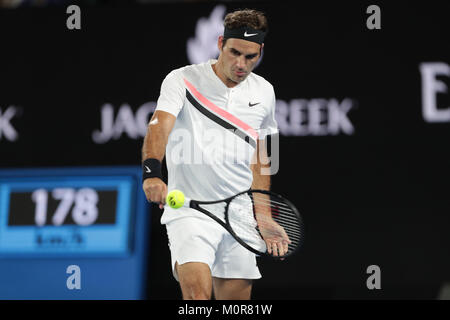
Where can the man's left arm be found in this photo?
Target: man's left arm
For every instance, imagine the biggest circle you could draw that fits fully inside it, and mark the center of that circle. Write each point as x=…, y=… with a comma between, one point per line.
x=275, y=237
x=260, y=166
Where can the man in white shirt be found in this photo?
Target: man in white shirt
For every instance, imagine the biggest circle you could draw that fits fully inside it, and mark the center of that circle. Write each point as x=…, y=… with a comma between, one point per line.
x=210, y=122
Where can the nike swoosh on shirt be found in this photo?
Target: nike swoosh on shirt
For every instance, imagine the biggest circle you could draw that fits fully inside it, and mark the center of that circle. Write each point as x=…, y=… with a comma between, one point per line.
x=249, y=34
x=253, y=104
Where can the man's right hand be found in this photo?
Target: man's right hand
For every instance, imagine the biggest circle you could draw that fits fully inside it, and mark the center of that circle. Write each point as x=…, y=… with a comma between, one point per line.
x=155, y=190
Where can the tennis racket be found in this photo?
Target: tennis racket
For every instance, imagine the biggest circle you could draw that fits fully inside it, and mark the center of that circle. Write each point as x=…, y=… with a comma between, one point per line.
x=261, y=221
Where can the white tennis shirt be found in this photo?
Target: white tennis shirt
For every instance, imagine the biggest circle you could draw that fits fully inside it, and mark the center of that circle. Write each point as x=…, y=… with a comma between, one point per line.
x=212, y=144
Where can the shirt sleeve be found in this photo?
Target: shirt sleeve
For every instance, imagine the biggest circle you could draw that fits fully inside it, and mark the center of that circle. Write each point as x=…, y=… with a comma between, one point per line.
x=269, y=125
x=171, y=97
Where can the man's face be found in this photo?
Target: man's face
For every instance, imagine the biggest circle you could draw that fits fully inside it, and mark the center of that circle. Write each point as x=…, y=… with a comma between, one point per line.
x=238, y=58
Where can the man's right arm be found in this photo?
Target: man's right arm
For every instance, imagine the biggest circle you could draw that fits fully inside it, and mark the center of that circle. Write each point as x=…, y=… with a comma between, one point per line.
x=155, y=141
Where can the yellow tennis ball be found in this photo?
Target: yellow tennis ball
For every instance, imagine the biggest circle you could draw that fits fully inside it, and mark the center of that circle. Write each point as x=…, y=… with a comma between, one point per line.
x=175, y=199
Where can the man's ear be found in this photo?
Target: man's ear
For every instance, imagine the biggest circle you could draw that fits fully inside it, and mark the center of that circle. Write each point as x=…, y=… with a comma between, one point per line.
x=261, y=49
x=220, y=43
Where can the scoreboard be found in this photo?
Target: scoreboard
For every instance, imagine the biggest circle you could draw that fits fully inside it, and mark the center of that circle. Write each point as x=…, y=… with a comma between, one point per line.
x=45, y=214
x=94, y=216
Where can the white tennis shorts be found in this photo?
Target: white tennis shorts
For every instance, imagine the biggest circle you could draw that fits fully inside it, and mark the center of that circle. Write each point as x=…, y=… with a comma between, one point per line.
x=197, y=239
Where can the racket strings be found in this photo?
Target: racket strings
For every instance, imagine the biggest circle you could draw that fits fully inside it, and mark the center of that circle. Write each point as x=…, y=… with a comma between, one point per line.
x=218, y=209
x=271, y=202
x=257, y=218
x=289, y=222
x=288, y=214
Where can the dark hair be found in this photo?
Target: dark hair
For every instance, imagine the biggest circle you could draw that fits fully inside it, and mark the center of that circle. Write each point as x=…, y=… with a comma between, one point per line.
x=245, y=18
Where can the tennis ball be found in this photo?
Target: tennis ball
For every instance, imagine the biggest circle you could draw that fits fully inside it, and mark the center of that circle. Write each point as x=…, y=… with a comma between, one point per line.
x=175, y=199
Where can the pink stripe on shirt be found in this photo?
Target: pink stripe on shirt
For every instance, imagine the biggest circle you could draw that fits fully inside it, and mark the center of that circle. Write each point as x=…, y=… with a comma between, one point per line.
x=223, y=113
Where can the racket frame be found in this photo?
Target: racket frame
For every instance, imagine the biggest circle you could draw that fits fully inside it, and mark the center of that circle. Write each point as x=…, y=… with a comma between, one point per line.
x=195, y=204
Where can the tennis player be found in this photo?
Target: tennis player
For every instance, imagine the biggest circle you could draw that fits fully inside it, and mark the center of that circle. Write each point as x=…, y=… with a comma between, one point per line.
x=210, y=122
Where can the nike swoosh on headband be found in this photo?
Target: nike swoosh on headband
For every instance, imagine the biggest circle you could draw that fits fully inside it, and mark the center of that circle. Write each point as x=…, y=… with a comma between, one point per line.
x=249, y=34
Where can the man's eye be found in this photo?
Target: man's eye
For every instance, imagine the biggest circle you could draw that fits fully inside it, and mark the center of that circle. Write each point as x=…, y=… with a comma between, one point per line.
x=236, y=53
x=251, y=56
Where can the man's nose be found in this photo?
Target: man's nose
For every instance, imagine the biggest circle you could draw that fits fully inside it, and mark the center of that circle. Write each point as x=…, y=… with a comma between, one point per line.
x=240, y=62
